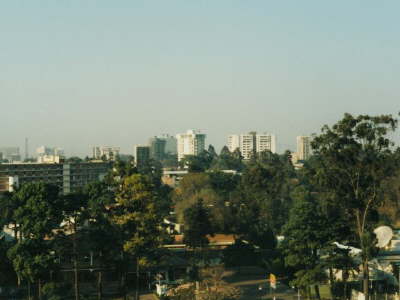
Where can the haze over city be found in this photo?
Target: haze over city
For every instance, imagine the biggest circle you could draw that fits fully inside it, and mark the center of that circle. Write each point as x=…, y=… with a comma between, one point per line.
x=75, y=74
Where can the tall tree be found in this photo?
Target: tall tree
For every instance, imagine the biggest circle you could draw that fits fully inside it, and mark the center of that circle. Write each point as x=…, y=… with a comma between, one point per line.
x=75, y=216
x=357, y=157
x=38, y=216
x=136, y=215
x=198, y=225
x=305, y=236
x=265, y=188
x=100, y=233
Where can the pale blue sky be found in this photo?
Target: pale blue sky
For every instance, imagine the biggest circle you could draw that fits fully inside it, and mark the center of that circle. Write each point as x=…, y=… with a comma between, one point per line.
x=77, y=73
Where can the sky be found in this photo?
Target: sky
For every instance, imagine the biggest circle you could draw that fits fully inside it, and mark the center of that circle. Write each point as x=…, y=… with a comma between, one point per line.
x=79, y=73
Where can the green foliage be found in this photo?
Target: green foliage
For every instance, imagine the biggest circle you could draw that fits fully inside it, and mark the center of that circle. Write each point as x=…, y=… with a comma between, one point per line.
x=196, y=163
x=7, y=274
x=100, y=233
x=198, y=225
x=305, y=237
x=356, y=159
x=33, y=259
x=7, y=208
x=214, y=188
x=38, y=215
x=228, y=161
x=136, y=215
x=54, y=291
x=263, y=198
x=39, y=209
x=240, y=254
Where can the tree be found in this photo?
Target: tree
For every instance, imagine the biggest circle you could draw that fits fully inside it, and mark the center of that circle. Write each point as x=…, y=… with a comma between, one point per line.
x=214, y=188
x=228, y=161
x=136, y=216
x=197, y=224
x=265, y=189
x=38, y=216
x=7, y=273
x=100, y=233
x=190, y=189
x=74, y=160
x=194, y=163
x=305, y=237
x=356, y=158
x=8, y=205
x=75, y=216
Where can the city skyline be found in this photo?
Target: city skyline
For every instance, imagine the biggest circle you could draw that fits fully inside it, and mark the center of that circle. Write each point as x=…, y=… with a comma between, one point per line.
x=78, y=74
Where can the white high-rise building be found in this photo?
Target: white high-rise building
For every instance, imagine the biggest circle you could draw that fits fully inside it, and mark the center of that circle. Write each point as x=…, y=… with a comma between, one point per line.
x=251, y=143
x=233, y=142
x=107, y=152
x=266, y=142
x=190, y=143
x=303, y=147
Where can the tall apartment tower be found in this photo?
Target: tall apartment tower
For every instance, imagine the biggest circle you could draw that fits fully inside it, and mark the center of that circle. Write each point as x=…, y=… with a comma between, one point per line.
x=303, y=147
x=265, y=142
x=190, y=143
x=141, y=155
x=157, y=148
x=252, y=143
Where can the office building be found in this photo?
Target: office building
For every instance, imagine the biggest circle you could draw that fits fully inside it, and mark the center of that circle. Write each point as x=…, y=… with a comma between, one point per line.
x=303, y=147
x=105, y=152
x=157, y=148
x=171, y=146
x=69, y=177
x=190, y=143
x=252, y=143
x=141, y=155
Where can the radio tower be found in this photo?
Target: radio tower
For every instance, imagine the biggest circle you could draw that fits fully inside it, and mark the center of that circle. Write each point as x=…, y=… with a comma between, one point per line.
x=26, y=149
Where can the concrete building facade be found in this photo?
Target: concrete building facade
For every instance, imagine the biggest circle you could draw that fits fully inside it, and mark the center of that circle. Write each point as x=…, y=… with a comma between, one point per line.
x=67, y=176
x=190, y=143
x=107, y=152
x=171, y=146
x=303, y=147
x=252, y=143
x=157, y=148
x=141, y=155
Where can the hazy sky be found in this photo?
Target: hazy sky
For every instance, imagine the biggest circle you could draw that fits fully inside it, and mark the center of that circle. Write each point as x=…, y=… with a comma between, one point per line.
x=78, y=73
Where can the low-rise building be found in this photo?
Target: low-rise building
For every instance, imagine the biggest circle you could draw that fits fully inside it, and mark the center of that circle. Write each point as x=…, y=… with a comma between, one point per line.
x=69, y=177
